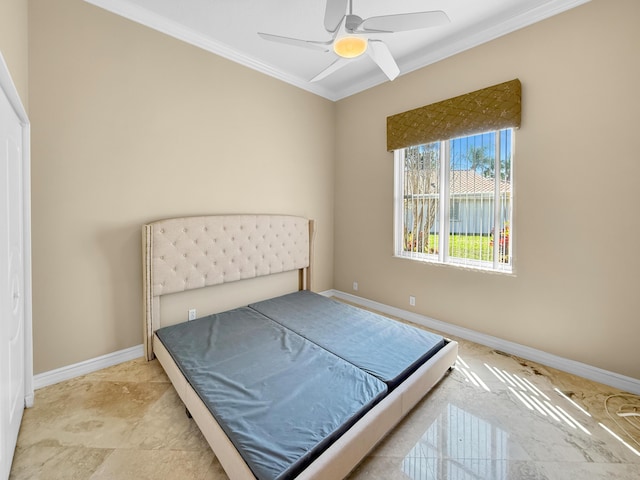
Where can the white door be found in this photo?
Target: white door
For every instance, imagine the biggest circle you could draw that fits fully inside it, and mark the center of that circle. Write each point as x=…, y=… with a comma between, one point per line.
x=12, y=282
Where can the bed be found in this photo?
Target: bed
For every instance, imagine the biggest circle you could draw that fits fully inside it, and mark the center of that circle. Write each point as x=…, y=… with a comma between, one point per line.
x=298, y=386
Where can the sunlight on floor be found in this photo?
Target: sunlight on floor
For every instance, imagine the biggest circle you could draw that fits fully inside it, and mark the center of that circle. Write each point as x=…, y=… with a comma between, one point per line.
x=614, y=435
x=535, y=399
x=472, y=376
x=460, y=444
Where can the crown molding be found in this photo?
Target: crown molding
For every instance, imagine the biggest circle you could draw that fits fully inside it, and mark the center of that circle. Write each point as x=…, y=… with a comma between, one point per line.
x=451, y=46
x=176, y=30
x=489, y=31
x=455, y=44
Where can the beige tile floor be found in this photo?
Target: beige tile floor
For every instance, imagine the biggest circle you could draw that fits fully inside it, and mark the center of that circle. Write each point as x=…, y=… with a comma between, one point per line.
x=126, y=422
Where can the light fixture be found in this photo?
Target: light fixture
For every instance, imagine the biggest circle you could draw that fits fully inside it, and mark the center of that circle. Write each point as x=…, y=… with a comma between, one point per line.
x=350, y=47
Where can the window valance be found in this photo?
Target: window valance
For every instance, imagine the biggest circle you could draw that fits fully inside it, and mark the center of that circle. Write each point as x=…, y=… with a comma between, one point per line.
x=492, y=108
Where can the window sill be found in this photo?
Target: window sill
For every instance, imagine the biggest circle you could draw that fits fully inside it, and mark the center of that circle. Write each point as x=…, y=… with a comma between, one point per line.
x=467, y=265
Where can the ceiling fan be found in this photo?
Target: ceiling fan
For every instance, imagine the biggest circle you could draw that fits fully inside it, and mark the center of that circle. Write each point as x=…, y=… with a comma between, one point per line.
x=351, y=36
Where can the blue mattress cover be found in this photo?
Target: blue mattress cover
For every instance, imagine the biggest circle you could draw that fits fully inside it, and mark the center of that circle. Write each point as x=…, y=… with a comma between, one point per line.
x=388, y=349
x=280, y=398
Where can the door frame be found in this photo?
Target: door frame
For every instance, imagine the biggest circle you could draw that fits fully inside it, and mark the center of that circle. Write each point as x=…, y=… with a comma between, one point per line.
x=9, y=89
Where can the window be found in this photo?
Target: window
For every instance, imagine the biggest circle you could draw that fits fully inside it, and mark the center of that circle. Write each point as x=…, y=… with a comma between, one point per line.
x=454, y=201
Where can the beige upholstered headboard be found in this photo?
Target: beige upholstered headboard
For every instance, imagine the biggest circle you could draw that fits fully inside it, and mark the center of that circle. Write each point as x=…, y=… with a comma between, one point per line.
x=193, y=252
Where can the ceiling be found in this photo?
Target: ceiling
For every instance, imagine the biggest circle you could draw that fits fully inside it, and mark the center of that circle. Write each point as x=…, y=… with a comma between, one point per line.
x=229, y=28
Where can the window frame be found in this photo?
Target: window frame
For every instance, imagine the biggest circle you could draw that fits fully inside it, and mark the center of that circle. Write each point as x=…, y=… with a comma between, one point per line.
x=442, y=257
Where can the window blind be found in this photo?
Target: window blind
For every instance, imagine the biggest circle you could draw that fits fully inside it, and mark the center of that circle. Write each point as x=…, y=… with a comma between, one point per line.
x=491, y=108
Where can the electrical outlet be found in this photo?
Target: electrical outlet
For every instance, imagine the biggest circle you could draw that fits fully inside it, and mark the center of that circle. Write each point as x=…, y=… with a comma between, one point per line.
x=355, y=286
x=412, y=300
x=192, y=314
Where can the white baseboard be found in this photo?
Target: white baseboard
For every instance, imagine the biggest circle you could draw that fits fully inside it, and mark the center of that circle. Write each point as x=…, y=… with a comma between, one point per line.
x=596, y=374
x=88, y=366
x=628, y=384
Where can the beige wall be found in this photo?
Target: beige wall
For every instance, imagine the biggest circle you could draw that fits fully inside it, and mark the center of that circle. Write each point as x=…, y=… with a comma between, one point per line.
x=14, y=43
x=129, y=126
x=576, y=290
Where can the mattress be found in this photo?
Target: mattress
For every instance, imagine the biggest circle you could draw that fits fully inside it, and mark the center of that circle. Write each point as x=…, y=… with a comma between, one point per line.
x=385, y=348
x=280, y=398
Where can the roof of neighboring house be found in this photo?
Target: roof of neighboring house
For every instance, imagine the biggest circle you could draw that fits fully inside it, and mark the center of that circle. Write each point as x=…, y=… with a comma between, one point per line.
x=472, y=182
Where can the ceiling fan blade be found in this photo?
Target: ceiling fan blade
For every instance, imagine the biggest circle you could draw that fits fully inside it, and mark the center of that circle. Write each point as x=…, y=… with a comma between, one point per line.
x=406, y=21
x=380, y=54
x=333, y=14
x=297, y=42
x=335, y=66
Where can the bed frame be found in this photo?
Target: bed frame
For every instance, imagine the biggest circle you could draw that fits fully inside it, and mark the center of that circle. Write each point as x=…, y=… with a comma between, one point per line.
x=180, y=254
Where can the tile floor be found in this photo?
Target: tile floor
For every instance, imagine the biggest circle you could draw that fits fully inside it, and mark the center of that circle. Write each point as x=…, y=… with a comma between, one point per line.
x=495, y=417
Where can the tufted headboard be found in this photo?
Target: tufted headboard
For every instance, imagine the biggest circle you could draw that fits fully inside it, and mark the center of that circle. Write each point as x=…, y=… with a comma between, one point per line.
x=193, y=252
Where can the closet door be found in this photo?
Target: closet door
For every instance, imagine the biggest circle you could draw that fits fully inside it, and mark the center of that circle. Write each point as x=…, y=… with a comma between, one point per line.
x=12, y=283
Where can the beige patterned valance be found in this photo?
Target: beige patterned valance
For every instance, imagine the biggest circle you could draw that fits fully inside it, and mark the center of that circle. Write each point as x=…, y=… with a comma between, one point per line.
x=491, y=108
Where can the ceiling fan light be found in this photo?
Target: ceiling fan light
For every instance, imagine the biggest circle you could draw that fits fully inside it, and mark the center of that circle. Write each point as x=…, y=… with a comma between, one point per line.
x=350, y=47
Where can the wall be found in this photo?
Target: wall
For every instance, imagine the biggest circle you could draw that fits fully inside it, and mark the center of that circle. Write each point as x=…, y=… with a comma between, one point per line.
x=130, y=126
x=575, y=288
x=14, y=43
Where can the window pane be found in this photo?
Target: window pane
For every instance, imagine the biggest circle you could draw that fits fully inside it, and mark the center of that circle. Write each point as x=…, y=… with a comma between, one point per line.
x=504, y=255
x=421, y=198
x=454, y=201
x=472, y=191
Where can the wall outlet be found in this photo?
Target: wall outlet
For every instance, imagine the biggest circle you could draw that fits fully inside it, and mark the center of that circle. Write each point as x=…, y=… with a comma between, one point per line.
x=412, y=300
x=355, y=286
x=192, y=314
